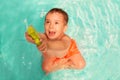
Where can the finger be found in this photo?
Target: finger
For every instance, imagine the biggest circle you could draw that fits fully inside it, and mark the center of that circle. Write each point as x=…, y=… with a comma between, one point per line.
x=41, y=40
x=26, y=34
x=42, y=47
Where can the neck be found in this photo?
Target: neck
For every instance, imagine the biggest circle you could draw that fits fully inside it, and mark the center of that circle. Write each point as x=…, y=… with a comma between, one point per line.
x=61, y=37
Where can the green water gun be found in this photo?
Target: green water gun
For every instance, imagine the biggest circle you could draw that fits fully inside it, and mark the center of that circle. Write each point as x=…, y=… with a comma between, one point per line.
x=34, y=35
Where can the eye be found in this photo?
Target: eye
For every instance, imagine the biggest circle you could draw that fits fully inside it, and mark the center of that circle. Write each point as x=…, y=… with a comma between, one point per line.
x=56, y=22
x=47, y=22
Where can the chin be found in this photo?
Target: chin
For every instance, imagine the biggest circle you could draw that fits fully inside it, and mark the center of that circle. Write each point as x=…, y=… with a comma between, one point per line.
x=52, y=38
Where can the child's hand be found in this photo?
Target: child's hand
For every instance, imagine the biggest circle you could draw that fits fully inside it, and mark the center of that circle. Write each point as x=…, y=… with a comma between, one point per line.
x=28, y=38
x=65, y=63
x=61, y=63
x=43, y=46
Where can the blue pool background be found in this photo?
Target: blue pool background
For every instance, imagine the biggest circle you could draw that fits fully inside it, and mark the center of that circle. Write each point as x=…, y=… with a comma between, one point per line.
x=94, y=24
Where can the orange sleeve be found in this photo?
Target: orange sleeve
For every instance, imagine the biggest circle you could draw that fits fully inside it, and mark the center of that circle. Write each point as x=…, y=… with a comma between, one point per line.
x=73, y=49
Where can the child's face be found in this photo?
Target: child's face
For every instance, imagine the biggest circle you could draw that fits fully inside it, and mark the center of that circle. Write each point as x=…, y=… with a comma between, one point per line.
x=55, y=25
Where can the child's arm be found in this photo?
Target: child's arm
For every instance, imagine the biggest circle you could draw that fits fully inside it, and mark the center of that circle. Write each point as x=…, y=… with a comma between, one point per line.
x=49, y=64
x=75, y=62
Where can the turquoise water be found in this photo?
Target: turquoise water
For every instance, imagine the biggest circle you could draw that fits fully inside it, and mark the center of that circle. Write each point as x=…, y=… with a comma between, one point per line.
x=94, y=24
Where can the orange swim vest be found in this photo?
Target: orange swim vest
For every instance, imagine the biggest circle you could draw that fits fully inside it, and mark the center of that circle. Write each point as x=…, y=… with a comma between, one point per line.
x=72, y=50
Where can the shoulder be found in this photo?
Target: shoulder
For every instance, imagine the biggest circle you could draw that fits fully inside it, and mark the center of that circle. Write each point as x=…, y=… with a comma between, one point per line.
x=66, y=40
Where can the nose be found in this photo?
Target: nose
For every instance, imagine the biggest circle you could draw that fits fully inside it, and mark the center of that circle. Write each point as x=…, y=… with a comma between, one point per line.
x=51, y=26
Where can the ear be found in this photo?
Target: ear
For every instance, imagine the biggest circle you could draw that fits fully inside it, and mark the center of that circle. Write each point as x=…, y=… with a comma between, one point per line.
x=65, y=27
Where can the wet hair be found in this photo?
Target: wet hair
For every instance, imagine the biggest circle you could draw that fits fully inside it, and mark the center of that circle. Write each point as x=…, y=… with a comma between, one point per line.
x=59, y=10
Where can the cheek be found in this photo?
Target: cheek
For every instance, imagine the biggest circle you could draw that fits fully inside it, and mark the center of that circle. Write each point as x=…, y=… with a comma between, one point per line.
x=46, y=28
x=60, y=30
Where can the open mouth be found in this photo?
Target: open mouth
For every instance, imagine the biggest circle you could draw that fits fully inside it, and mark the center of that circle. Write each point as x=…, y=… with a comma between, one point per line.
x=51, y=33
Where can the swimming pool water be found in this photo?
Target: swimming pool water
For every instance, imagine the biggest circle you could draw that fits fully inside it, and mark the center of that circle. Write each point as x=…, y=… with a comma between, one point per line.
x=94, y=24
